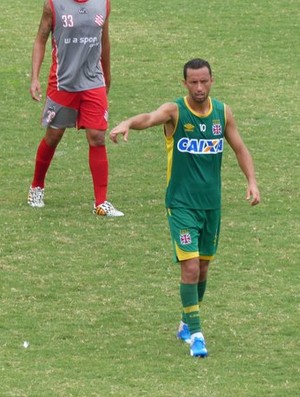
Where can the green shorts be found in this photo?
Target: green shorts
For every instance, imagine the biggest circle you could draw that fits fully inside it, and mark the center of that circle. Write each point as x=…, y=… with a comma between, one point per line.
x=194, y=233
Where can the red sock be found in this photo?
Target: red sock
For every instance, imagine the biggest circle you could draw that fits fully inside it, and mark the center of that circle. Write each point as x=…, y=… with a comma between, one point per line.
x=43, y=159
x=99, y=169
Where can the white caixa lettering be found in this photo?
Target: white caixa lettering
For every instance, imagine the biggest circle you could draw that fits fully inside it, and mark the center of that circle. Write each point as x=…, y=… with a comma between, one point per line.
x=200, y=146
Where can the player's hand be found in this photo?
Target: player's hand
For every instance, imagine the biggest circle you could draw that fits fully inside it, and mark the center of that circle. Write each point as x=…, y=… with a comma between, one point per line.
x=253, y=195
x=35, y=90
x=122, y=129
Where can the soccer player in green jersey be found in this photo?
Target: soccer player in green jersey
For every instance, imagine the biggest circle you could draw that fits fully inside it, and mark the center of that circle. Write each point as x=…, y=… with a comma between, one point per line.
x=195, y=127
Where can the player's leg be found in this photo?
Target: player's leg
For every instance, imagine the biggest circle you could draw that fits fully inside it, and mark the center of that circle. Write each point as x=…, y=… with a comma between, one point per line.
x=44, y=155
x=204, y=264
x=209, y=226
x=190, y=275
x=93, y=117
x=190, y=272
x=56, y=117
x=184, y=236
x=208, y=243
x=98, y=163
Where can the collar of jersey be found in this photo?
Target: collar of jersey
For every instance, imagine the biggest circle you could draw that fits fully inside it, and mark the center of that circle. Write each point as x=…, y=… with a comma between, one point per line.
x=196, y=113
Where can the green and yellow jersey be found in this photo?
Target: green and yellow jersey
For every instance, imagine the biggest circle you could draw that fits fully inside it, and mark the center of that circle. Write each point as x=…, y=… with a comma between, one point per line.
x=195, y=156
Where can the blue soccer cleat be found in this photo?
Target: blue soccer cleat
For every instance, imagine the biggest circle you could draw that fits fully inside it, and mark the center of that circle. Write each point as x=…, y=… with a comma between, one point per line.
x=184, y=333
x=198, y=347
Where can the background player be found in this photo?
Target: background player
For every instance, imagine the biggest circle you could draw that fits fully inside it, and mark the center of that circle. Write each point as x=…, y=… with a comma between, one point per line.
x=78, y=84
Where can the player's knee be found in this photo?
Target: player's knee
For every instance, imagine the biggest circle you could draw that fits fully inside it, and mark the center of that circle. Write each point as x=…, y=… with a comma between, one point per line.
x=53, y=137
x=95, y=137
x=190, y=271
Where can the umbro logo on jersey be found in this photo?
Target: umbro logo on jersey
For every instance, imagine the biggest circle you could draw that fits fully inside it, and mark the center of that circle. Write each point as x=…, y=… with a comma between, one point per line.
x=200, y=146
x=188, y=127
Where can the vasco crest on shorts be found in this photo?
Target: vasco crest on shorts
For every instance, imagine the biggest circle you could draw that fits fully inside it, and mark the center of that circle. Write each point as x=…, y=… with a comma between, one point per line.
x=185, y=237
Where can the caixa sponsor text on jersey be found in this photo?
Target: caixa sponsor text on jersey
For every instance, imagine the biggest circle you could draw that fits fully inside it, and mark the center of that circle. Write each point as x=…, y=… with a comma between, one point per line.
x=200, y=146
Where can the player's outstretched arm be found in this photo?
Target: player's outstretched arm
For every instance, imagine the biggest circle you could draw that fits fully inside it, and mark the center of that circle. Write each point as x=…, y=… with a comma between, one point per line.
x=166, y=113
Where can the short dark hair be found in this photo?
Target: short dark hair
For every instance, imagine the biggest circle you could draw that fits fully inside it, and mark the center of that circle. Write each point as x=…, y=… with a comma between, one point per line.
x=196, y=63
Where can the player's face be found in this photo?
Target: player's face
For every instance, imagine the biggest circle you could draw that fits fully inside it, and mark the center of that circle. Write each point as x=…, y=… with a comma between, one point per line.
x=198, y=83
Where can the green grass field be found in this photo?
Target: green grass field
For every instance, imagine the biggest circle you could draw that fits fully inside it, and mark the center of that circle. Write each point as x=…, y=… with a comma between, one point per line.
x=97, y=299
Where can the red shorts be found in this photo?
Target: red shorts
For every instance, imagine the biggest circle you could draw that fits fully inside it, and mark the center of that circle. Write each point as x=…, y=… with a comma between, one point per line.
x=83, y=109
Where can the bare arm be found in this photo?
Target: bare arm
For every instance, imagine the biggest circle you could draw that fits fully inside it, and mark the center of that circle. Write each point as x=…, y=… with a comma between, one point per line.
x=39, y=51
x=165, y=114
x=243, y=157
x=105, y=56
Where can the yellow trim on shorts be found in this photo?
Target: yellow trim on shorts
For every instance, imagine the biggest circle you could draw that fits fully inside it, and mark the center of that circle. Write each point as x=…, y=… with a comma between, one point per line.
x=206, y=257
x=184, y=255
x=191, y=309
